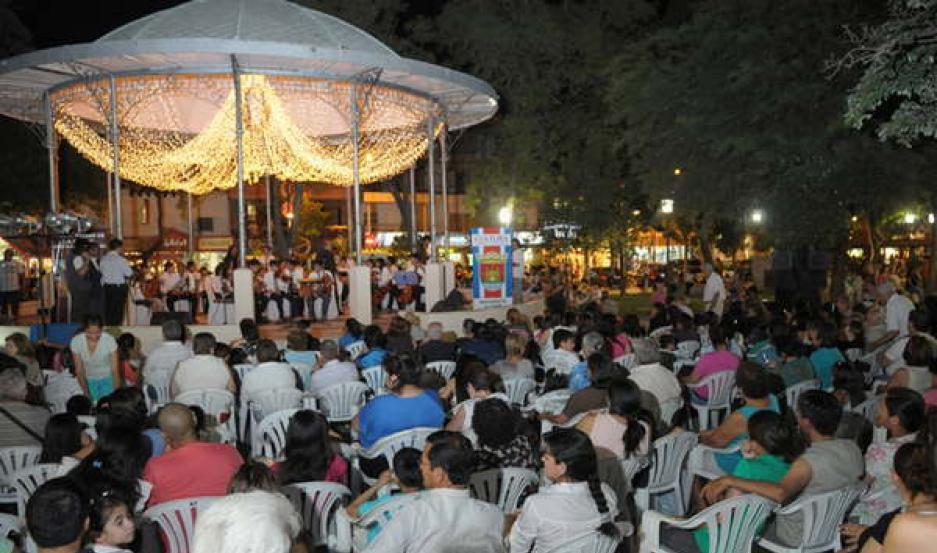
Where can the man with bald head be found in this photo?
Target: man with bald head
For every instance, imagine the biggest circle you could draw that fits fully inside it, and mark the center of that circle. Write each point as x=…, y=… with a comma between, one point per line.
x=189, y=468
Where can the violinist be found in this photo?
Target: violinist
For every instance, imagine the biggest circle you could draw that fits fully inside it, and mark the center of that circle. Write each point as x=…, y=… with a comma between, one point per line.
x=322, y=289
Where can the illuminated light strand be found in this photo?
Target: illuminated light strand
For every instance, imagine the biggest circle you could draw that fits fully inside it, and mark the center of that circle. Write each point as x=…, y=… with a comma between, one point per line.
x=294, y=128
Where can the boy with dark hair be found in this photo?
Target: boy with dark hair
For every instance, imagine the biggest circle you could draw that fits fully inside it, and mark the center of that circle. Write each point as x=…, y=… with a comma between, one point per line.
x=57, y=516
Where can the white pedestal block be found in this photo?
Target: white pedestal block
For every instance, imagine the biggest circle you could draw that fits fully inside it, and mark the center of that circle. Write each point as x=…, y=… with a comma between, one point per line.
x=433, y=283
x=449, y=280
x=359, y=294
x=243, y=295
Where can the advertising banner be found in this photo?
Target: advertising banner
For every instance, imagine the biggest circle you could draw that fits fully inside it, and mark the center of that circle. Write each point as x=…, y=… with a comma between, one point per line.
x=492, y=285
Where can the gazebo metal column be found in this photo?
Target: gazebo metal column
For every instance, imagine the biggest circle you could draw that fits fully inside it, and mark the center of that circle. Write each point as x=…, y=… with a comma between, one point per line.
x=188, y=213
x=239, y=136
x=360, y=276
x=356, y=178
x=115, y=141
x=52, y=146
x=443, y=158
x=431, y=172
x=269, y=187
x=413, y=208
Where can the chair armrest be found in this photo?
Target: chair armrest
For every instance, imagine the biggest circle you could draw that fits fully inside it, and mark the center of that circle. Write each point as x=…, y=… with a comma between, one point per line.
x=716, y=450
x=651, y=523
x=342, y=542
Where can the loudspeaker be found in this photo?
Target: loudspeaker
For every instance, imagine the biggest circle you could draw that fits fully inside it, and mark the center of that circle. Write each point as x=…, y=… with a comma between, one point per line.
x=158, y=318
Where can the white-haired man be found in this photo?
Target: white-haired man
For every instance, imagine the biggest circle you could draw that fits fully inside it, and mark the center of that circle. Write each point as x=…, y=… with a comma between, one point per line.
x=650, y=375
x=897, y=310
x=435, y=348
x=20, y=423
x=331, y=370
x=252, y=522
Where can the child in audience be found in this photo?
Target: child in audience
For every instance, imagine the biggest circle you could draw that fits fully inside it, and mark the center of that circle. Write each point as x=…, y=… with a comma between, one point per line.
x=406, y=475
x=111, y=525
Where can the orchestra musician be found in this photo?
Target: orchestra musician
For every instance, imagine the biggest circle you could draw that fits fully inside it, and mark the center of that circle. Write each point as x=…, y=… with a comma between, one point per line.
x=171, y=286
x=321, y=286
x=272, y=288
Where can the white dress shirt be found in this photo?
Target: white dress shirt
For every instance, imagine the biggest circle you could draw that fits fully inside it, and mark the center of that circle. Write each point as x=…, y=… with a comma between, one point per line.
x=332, y=373
x=897, y=310
x=270, y=282
x=715, y=285
x=168, y=281
x=200, y=372
x=271, y=375
x=658, y=380
x=558, y=514
x=115, y=269
x=442, y=520
x=162, y=361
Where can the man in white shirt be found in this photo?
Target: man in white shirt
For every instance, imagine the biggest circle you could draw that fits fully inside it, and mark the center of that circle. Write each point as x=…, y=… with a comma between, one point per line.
x=563, y=356
x=170, y=285
x=714, y=293
x=11, y=280
x=115, y=272
x=269, y=374
x=650, y=375
x=331, y=370
x=272, y=288
x=161, y=362
x=897, y=310
x=203, y=371
x=444, y=518
x=918, y=324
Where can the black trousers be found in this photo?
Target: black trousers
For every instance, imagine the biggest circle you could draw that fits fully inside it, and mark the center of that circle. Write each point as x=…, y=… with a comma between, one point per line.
x=115, y=298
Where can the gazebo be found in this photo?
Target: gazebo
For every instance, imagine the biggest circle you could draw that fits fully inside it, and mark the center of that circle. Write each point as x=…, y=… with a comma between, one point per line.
x=218, y=94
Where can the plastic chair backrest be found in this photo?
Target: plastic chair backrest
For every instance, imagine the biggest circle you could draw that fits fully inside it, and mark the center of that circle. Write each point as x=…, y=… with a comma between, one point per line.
x=719, y=387
x=687, y=349
x=669, y=408
x=270, y=435
x=157, y=393
x=869, y=408
x=822, y=516
x=627, y=360
x=444, y=369
x=793, y=392
x=388, y=446
x=341, y=402
x=667, y=459
x=305, y=373
x=503, y=487
x=277, y=399
x=355, y=349
x=660, y=331
x=518, y=388
x=28, y=479
x=631, y=466
x=218, y=405
x=8, y=525
x=383, y=513
x=376, y=377
x=242, y=369
x=594, y=542
x=316, y=503
x=177, y=519
x=734, y=522
x=13, y=459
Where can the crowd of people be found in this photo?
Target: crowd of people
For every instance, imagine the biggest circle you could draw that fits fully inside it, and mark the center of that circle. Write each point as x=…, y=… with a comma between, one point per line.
x=605, y=387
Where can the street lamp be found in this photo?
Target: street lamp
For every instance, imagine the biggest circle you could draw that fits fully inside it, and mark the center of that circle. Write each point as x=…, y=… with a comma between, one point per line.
x=757, y=216
x=666, y=206
x=677, y=172
x=505, y=214
x=909, y=218
x=930, y=218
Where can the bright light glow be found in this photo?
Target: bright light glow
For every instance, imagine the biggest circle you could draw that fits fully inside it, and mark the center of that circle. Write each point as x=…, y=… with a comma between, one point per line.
x=505, y=214
x=757, y=216
x=678, y=171
x=910, y=218
x=178, y=132
x=636, y=212
x=855, y=218
x=666, y=206
x=930, y=218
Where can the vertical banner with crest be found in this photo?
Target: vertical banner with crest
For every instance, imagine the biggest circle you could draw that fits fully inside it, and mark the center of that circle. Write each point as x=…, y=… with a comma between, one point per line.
x=492, y=285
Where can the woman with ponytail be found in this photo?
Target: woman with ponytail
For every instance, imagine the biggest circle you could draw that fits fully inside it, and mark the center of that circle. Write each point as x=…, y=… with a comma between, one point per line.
x=575, y=505
x=624, y=428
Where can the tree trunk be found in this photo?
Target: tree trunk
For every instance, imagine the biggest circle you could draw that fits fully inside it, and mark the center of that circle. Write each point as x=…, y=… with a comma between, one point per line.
x=297, y=214
x=931, y=283
x=705, y=244
x=403, y=204
x=838, y=269
x=279, y=227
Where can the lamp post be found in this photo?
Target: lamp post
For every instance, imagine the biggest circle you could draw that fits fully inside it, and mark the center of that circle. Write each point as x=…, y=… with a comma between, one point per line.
x=505, y=215
x=757, y=216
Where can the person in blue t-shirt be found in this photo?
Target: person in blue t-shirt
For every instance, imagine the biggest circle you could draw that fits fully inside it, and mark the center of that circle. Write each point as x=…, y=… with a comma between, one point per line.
x=827, y=355
x=406, y=475
x=406, y=406
x=376, y=342
x=354, y=332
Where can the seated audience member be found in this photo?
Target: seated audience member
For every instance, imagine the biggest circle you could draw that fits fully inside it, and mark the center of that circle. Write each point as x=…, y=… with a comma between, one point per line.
x=57, y=515
x=189, y=468
x=827, y=355
x=377, y=343
x=269, y=374
x=901, y=412
x=683, y=328
x=794, y=366
x=331, y=370
x=650, y=375
x=297, y=348
x=203, y=371
x=445, y=514
x=131, y=359
x=577, y=504
x=563, y=356
x=66, y=443
x=435, y=348
x=918, y=364
x=162, y=361
x=253, y=476
x=500, y=444
x=252, y=522
x=761, y=350
x=407, y=478
x=592, y=342
x=514, y=364
x=918, y=325
x=624, y=428
x=354, y=332
x=399, y=339
x=18, y=346
x=309, y=455
x=485, y=344
x=716, y=361
x=20, y=423
x=479, y=385
x=594, y=397
x=250, y=337
x=111, y=524
x=406, y=406
x=827, y=464
x=752, y=382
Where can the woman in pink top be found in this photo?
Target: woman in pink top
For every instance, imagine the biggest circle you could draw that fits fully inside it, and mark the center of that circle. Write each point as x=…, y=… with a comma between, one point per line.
x=713, y=362
x=622, y=430
x=309, y=452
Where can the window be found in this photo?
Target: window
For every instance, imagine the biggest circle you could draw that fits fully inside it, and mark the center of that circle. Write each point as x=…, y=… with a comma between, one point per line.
x=205, y=224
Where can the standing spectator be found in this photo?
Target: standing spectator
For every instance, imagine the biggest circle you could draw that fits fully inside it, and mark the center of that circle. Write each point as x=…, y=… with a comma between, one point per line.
x=11, y=285
x=162, y=361
x=94, y=353
x=203, y=371
x=57, y=516
x=714, y=293
x=78, y=279
x=897, y=310
x=189, y=468
x=517, y=271
x=331, y=370
x=20, y=422
x=115, y=272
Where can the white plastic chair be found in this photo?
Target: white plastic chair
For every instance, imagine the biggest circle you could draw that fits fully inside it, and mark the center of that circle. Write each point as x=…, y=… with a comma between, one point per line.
x=702, y=461
x=732, y=525
x=13, y=459
x=8, y=525
x=267, y=402
x=518, y=388
x=142, y=314
x=353, y=534
x=551, y=402
x=869, y=408
x=444, y=369
x=719, y=388
x=388, y=446
x=355, y=349
x=687, y=349
x=590, y=543
x=666, y=464
x=376, y=377
x=660, y=331
x=59, y=387
x=793, y=392
x=305, y=373
x=269, y=438
x=156, y=393
x=218, y=405
x=627, y=360
x=822, y=516
x=242, y=369
x=177, y=519
x=669, y=408
x=28, y=479
x=341, y=402
x=503, y=486
x=317, y=504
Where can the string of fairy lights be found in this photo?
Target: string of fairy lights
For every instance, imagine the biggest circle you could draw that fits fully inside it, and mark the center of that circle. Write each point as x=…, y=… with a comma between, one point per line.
x=177, y=133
